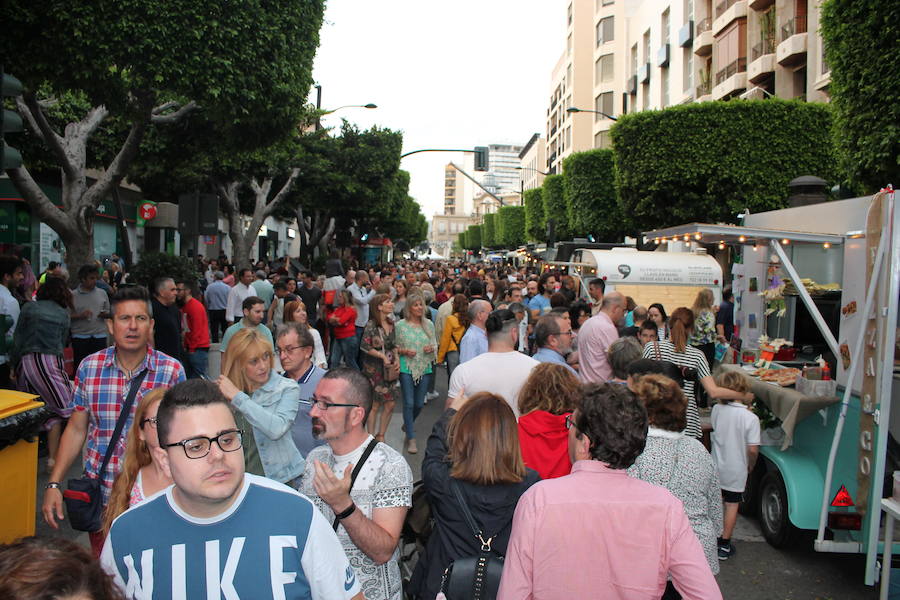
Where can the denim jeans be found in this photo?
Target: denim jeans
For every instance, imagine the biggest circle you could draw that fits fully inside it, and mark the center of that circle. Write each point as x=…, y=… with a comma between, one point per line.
x=347, y=348
x=198, y=363
x=452, y=358
x=413, y=399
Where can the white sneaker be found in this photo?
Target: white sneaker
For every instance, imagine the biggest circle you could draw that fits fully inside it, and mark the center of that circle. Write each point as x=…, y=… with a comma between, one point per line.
x=431, y=395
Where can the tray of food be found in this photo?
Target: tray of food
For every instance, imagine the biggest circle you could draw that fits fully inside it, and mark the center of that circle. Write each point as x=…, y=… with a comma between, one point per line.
x=783, y=377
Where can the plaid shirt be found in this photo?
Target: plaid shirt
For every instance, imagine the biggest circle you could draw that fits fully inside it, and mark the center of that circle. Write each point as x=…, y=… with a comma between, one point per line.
x=101, y=388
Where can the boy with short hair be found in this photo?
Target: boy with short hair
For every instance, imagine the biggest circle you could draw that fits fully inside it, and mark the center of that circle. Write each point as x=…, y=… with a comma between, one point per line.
x=735, y=448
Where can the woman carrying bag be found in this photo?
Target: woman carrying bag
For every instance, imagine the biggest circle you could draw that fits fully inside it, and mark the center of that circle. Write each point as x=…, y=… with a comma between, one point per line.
x=453, y=332
x=380, y=364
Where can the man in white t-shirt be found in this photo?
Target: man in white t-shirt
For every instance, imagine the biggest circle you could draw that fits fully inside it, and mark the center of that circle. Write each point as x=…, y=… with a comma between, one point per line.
x=220, y=532
x=367, y=512
x=502, y=370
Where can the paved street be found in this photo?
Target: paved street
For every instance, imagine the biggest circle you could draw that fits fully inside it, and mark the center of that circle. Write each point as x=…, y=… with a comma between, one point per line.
x=757, y=572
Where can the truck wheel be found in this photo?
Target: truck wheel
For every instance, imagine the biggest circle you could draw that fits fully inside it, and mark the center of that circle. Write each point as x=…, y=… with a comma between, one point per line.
x=773, y=511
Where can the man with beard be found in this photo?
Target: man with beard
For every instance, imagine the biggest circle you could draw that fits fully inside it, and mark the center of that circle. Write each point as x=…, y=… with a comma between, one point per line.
x=254, y=309
x=364, y=487
x=196, y=335
x=220, y=531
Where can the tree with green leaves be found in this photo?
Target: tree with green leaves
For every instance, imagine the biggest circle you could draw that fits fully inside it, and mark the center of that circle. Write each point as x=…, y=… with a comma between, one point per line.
x=554, y=196
x=473, y=238
x=861, y=48
x=535, y=223
x=136, y=65
x=512, y=226
x=591, y=203
x=489, y=231
x=709, y=161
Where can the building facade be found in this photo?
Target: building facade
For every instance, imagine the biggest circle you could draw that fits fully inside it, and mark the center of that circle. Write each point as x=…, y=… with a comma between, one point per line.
x=652, y=54
x=533, y=163
x=445, y=230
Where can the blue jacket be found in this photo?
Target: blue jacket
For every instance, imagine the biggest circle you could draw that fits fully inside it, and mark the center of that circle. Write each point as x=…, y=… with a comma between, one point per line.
x=43, y=327
x=271, y=409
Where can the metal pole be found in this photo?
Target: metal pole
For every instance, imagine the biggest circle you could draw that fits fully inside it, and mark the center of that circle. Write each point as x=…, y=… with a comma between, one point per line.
x=318, y=107
x=475, y=181
x=123, y=229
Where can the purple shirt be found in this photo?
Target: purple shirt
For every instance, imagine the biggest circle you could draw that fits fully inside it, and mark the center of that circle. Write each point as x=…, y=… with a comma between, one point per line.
x=594, y=338
x=600, y=533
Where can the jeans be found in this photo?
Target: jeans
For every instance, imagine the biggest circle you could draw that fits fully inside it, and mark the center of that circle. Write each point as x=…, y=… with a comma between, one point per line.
x=346, y=348
x=413, y=399
x=197, y=363
x=452, y=358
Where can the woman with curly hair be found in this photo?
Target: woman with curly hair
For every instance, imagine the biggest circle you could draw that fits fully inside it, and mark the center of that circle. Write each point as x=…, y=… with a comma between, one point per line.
x=142, y=474
x=679, y=463
x=36, y=356
x=548, y=396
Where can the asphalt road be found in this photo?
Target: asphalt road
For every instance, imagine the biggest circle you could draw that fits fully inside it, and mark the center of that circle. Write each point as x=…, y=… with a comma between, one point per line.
x=756, y=572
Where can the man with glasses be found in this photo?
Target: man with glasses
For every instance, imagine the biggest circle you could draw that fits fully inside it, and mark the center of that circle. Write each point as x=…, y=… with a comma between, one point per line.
x=295, y=349
x=502, y=370
x=102, y=382
x=553, y=336
x=254, y=308
x=218, y=531
x=366, y=510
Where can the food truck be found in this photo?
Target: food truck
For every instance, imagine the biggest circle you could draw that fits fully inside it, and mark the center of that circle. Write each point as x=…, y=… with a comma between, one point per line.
x=823, y=277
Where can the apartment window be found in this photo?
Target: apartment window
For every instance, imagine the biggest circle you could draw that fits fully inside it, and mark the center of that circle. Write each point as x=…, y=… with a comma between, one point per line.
x=664, y=24
x=442, y=227
x=605, y=30
x=664, y=83
x=604, y=68
x=687, y=61
x=569, y=46
x=688, y=10
x=731, y=52
x=568, y=137
x=647, y=46
x=603, y=103
x=634, y=59
x=601, y=140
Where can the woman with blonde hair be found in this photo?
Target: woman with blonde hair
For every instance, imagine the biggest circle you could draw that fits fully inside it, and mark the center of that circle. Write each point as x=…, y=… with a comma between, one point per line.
x=295, y=310
x=142, y=475
x=547, y=397
x=692, y=364
x=418, y=349
x=703, y=338
x=265, y=405
x=473, y=448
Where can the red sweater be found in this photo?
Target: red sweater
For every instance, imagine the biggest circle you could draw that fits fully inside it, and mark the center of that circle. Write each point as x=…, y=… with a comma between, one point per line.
x=198, y=323
x=545, y=443
x=346, y=326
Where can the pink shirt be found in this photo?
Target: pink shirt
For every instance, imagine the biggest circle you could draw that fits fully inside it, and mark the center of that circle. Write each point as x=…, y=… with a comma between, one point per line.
x=599, y=533
x=594, y=339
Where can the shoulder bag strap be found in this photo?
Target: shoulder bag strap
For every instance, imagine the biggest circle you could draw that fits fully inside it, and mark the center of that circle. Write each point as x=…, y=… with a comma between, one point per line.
x=656, y=349
x=120, y=422
x=356, y=470
x=473, y=525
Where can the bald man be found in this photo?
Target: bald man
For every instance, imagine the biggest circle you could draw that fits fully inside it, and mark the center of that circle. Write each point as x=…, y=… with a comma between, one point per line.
x=596, y=336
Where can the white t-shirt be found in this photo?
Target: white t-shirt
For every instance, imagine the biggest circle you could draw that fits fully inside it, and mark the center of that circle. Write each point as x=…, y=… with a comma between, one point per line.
x=385, y=481
x=501, y=373
x=734, y=428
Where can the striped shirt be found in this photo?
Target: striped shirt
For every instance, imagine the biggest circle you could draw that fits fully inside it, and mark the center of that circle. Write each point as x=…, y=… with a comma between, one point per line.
x=101, y=388
x=691, y=357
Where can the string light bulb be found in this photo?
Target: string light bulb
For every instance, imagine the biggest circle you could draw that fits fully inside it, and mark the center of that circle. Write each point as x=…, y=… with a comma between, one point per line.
x=755, y=247
x=697, y=236
x=687, y=237
x=742, y=239
x=826, y=245
x=721, y=245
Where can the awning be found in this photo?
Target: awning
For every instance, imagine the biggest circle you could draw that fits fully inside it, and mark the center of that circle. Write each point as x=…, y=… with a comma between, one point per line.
x=707, y=233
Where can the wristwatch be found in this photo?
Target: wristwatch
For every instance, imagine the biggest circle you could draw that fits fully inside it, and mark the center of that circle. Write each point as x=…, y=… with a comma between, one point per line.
x=52, y=485
x=346, y=513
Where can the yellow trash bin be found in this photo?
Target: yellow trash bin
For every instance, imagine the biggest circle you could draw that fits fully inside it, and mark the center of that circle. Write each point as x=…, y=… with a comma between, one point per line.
x=21, y=417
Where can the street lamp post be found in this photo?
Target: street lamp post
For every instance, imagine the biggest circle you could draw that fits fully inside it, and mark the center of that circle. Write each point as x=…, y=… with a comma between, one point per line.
x=328, y=112
x=572, y=109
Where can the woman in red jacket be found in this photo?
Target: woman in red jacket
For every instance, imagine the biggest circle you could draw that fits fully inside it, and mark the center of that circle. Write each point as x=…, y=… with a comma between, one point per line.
x=342, y=318
x=548, y=396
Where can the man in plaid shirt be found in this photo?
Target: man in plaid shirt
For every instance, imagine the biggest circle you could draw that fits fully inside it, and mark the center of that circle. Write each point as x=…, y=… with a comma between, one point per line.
x=101, y=387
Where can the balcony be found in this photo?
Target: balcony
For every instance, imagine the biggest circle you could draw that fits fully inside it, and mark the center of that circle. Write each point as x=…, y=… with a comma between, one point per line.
x=731, y=79
x=761, y=5
x=762, y=61
x=792, y=49
x=631, y=85
x=703, y=38
x=704, y=92
x=686, y=35
x=726, y=12
x=662, y=56
x=643, y=74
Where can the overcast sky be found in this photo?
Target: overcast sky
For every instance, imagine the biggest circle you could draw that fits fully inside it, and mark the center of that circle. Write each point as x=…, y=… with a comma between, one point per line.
x=447, y=74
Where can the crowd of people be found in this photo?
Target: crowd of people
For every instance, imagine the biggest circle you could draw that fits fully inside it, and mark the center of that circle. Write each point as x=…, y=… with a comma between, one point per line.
x=572, y=423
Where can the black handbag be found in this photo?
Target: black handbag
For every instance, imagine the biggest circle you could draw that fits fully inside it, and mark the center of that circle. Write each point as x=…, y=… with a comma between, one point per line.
x=473, y=577
x=84, y=498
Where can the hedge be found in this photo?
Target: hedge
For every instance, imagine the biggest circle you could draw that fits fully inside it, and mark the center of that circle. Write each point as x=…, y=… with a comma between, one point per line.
x=535, y=224
x=708, y=161
x=462, y=239
x=554, y=195
x=860, y=38
x=489, y=231
x=473, y=238
x=512, y=226
x=591, y=202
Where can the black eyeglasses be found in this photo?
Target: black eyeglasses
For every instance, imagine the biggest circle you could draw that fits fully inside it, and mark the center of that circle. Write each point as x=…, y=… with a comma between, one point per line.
x=325, y=405
x=198, y=447
x=152, y=420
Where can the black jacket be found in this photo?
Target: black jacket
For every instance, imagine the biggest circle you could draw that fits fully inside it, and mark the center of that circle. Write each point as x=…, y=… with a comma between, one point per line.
x=167, y=329
x=492, y=506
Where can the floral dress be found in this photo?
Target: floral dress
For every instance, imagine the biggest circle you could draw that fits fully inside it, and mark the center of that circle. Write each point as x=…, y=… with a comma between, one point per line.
x=373, y=338
x=704, y=329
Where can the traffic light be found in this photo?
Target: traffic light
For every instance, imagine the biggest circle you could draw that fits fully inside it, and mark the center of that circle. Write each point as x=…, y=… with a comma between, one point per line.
x=10, y=158
x=481, y=158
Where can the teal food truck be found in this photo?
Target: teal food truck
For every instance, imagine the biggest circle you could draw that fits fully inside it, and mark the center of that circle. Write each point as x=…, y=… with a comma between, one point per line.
x=825, y=278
